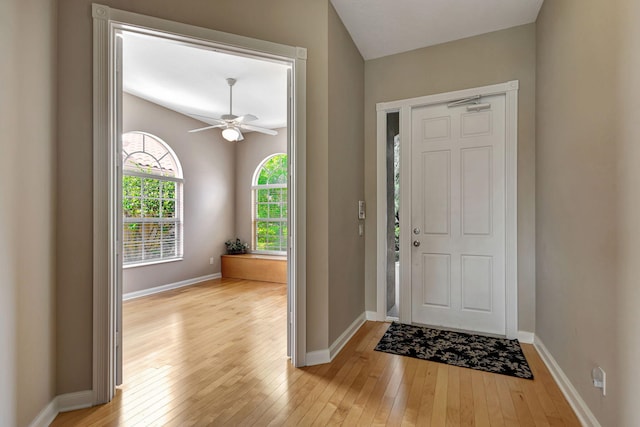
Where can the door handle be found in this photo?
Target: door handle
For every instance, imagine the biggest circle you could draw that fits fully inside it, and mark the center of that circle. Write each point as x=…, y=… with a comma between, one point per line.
x=416, y=230
x=416, y=243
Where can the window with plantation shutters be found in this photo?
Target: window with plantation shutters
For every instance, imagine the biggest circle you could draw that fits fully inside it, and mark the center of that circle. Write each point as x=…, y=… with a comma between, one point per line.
x=270, y=205
x=151, y=200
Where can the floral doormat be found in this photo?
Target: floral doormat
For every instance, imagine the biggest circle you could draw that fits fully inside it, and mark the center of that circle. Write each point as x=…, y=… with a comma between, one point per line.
x=497, y=355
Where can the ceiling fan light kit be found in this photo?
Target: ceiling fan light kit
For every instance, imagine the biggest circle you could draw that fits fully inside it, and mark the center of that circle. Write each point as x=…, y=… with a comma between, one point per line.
x=231, y=124
x=231, y=134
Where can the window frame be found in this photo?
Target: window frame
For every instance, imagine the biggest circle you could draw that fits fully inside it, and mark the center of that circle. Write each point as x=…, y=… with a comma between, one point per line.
x=255, y=187
x=177, y=220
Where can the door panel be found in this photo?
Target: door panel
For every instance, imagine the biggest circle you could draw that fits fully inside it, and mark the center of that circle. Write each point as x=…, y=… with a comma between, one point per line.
x=476, y=191
x=436, y=167
x=436, y=128
x=458, y=216
x=477, y=277
x=476, y=124
x=436, y=280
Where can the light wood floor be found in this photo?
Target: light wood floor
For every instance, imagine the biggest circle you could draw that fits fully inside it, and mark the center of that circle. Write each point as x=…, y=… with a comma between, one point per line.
x=215, y=354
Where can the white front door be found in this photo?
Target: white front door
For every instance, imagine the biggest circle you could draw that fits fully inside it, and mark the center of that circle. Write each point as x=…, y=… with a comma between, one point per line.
x=458, y=216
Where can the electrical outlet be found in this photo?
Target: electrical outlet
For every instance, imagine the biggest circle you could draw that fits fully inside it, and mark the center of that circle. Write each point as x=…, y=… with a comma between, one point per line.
x=599, y=377
x=211, y=261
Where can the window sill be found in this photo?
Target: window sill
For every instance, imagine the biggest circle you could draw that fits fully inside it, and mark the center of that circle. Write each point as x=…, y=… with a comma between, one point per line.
x=149, y=263
x=279, y=253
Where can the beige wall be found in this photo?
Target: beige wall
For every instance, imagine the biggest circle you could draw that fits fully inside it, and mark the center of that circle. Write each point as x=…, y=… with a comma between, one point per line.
x=249, y=154
x=477, y=61
x=346, y=178
x=27, y=232
x=208, y=193
x=292, y=22
x=588, y=203
x=8, y=158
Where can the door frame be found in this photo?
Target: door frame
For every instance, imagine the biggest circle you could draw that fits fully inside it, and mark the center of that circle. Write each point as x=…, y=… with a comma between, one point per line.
x=106, y=22
x=405, y=107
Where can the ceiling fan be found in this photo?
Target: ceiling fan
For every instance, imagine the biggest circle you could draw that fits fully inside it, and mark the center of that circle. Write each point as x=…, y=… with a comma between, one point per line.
x=231, y=124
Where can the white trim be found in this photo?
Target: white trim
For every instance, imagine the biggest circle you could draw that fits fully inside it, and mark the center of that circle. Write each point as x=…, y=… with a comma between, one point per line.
x=578, y=405
x=146, y=264
x=404, y=290
x=62, y=403
x=47, y=415
x=344, y=338
x=511, y=202
x=405, y=106
x=373, y=316
x=297, y=185
x=104, y=206
x=106, y=22
x=73, y=401
x=163, y=288
x=326, y=355
x=381, y=215
x=439, y=98
x=318, y=357
x=526, y=337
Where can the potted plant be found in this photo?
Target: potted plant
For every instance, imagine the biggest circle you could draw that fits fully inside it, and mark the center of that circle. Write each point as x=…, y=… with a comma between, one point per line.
x=236, y=247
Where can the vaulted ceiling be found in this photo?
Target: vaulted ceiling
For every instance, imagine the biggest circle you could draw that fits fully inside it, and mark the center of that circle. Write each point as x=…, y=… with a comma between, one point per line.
x=383, y=27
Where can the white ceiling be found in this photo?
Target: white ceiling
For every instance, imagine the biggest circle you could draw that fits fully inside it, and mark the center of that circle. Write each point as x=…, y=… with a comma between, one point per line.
x=385, y=27
x=192, y=80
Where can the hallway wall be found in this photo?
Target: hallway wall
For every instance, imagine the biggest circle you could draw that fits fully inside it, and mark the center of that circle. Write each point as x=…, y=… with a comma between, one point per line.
x=588, y=202
x=27, y=216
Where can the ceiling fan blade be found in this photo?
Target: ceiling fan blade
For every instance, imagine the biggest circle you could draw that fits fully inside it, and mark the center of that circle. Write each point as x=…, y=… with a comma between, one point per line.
x=205, y=128
x=215, y=119
x=246, y=118
x=258, y=129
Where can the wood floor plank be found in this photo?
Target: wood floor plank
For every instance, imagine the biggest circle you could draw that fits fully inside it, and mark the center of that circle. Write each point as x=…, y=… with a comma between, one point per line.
x=214, y=354
x=467, y=410
x=506, y=403
x=439, y=414
x=375, y=399
x=410, y=415
x=402, y=397
x=496, y=418
x=453, y=397
x=377, y=364
x=428, y=393
x=481, y=410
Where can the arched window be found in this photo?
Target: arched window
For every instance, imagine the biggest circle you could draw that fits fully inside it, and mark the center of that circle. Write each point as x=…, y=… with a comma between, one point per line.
x=151, y=200
x=270, y=205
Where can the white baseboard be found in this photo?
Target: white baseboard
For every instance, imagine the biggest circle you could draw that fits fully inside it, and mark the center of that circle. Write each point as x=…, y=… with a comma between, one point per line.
x=526, y=337
x=372, y=315
x=47, y=415
x=73, y=401
x=170, y=286
x=318, y=357
x=579, y=406
x=344, y=338
x=326, y=355
x=63, y=403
